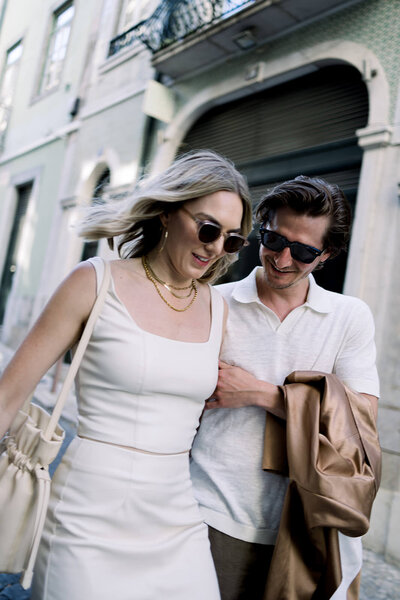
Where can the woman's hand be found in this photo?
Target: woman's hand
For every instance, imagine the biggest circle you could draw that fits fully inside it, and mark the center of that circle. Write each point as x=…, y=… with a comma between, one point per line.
x=237, y=388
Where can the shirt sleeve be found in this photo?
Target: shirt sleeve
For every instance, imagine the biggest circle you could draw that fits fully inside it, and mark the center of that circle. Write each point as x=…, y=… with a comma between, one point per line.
x=355, y=364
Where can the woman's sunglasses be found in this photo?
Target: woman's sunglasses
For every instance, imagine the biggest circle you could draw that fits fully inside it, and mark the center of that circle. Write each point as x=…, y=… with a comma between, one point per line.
x=276, y=242
x=209, y=232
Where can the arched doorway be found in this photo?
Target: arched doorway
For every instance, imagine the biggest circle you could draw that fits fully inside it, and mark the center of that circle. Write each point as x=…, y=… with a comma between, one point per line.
x=305, y=126
x=90, y=249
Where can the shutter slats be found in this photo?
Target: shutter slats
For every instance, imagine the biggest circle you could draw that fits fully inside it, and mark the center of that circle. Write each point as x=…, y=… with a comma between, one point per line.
x=306, y=126
x=323, y=107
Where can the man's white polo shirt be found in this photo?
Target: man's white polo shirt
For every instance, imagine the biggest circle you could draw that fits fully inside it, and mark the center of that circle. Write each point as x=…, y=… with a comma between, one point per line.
x=331, y=333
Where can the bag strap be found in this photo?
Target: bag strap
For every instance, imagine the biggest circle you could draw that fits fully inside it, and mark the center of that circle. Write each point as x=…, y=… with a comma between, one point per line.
x=80, y=350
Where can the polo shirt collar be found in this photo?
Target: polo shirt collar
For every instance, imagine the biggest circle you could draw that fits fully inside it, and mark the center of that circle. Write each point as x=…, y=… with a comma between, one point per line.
x=246, y=289
x=318, y=298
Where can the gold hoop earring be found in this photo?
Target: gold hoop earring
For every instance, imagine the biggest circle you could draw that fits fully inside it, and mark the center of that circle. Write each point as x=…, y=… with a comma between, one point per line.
x=164, y=240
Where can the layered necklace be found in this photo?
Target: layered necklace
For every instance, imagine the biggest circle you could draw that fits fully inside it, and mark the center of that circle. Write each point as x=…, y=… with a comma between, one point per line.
x=191, y=289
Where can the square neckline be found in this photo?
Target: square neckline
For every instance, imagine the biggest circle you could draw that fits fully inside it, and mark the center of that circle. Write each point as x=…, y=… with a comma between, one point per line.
x=163, y=337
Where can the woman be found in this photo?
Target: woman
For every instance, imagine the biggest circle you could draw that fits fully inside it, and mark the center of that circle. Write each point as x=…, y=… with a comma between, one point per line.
x=123, y=521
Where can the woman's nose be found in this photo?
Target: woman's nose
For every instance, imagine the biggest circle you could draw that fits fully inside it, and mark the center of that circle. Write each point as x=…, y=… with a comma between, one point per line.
x=217, y=246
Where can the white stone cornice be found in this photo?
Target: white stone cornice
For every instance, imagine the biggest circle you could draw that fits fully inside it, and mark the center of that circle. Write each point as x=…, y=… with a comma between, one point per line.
x=67, y=203
x=60, y=134
x=374, y=136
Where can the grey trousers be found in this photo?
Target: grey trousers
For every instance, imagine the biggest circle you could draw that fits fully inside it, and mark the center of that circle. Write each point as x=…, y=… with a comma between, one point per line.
x=242, y=567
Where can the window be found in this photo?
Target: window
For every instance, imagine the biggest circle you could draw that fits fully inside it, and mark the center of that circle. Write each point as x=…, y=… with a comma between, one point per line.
x=8, y=84
x=57, y=48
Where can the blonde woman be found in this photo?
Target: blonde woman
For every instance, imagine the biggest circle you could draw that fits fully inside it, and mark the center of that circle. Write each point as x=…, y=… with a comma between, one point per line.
x=123, y=521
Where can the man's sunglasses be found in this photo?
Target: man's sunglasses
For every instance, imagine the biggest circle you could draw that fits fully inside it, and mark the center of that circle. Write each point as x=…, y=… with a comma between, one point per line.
x=276, y=242
x=209, y=232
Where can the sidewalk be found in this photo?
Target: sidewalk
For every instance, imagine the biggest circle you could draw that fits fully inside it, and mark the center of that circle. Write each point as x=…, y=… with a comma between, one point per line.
x=380, y=580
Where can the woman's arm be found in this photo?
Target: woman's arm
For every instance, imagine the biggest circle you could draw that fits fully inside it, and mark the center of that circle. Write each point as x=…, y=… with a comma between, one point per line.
x=225, y=319
x=56, y=330
x=237, y=388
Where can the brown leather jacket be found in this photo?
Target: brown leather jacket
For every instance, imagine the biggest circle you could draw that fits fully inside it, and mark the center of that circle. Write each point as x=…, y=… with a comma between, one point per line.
x=329, y=449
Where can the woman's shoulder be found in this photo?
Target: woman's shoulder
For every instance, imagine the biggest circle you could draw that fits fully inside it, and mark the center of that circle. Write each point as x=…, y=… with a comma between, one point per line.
x=127, y=269
x=82, y=275
x=75, y=295
x=215, y=293
x=217, y=298
x=127, y=263
x=80, y=284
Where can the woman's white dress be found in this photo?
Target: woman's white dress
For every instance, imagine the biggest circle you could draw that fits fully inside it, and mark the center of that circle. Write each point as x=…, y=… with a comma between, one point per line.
x=124, y=524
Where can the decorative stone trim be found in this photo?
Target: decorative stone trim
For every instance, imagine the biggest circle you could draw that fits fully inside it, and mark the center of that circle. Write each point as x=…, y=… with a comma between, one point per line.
x=67, y=203
x=374, y=136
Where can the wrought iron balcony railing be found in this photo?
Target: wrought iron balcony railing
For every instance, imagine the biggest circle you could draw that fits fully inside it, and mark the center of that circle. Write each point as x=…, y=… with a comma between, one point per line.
x=174, y=20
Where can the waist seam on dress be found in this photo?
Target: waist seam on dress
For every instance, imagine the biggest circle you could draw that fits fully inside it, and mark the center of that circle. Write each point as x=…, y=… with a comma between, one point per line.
x=85, y=437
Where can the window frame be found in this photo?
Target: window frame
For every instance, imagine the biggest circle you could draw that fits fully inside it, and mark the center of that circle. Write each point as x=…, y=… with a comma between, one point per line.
x=50, y=40
x=7, y=68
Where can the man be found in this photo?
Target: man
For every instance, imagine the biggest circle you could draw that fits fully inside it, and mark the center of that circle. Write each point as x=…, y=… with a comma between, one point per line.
x=280, y=321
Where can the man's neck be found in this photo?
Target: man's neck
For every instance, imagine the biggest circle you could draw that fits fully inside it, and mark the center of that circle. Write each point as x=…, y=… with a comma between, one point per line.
x=281, y=301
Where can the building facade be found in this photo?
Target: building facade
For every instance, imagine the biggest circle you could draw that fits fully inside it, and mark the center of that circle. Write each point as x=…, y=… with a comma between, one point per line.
x=95, y=93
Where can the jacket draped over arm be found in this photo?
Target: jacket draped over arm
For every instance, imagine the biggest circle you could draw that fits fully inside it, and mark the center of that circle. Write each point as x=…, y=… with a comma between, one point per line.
x=329, y=448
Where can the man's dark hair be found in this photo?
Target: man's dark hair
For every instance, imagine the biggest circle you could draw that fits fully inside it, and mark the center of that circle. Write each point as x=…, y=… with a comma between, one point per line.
x=314, y=197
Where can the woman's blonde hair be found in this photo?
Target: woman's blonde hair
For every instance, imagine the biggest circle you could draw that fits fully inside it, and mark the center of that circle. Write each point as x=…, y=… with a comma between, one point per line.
x=135, y=221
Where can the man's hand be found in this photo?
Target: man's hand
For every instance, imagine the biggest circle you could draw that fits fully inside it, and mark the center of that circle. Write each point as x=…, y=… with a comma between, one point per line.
x=237, y=388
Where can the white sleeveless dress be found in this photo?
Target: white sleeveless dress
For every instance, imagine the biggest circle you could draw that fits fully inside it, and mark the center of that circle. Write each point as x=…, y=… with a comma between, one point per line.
x=124, y=524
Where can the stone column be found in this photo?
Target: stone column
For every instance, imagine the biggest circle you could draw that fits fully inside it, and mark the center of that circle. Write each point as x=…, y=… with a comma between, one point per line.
x=373, y=274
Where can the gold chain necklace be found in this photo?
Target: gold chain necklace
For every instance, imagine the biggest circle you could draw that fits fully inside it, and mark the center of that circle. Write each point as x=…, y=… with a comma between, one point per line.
x=154, y=282
x=174, y=287
x=190, y=292
x=170, y=287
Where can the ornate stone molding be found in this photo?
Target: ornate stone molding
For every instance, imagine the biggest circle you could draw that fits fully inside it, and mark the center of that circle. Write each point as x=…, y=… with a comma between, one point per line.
x=373, y=136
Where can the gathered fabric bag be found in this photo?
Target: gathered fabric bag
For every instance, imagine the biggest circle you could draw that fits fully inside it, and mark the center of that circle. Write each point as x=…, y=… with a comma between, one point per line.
x=32, y=443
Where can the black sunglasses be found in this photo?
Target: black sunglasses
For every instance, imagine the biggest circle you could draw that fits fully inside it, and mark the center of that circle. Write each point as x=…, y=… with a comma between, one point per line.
x=276, y=242
x=209, y=232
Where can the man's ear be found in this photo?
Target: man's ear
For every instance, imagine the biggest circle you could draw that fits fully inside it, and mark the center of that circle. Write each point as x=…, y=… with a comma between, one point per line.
x=325, y=256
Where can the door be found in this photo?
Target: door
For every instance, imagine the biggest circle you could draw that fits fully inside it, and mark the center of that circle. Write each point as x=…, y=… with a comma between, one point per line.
x=10, y=266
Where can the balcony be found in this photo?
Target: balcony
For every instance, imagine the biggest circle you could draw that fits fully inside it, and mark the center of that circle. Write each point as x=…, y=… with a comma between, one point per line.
x=185, y=35
x=174, y=20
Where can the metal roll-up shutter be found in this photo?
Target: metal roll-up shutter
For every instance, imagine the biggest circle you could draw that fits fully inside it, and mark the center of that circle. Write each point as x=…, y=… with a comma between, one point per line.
x=322, y=108
x=305, y=126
